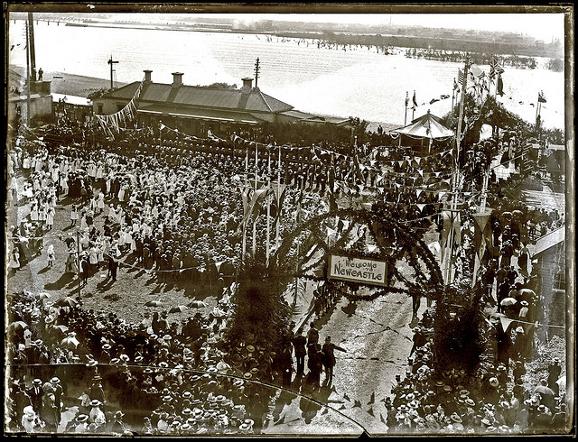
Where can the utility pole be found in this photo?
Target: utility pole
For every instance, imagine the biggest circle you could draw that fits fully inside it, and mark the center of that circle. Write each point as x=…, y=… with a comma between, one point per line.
x=257, y=73
x=27, y=75
x=31, y=46
x=111, y=62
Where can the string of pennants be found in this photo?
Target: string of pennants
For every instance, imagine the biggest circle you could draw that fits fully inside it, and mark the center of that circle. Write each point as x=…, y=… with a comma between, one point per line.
x=316, y=151
x=112, y=123
x=382, y=172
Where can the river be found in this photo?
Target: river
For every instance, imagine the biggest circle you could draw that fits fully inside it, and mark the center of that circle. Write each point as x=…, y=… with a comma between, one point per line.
x=357, y=82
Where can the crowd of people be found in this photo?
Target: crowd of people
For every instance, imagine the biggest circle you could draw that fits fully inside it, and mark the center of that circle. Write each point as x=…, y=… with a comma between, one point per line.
x=452, y=400
x=175, y=206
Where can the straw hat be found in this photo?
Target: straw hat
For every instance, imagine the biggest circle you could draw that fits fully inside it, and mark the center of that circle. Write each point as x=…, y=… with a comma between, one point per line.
x=187, y=395
x=247, y=375
x=250, y=348
x=494, y=382
x=37, y=381
x=95, y=403
x=456, y=418
x=81, y=418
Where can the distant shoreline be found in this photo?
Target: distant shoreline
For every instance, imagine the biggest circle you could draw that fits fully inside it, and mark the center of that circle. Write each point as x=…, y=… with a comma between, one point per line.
x=446, y=42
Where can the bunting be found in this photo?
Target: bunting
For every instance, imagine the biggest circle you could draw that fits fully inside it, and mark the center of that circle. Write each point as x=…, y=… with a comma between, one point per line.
x=112, y=123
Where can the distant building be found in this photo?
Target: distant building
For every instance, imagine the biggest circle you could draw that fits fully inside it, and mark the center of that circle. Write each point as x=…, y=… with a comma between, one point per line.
x=194, y=109
x=40, y=99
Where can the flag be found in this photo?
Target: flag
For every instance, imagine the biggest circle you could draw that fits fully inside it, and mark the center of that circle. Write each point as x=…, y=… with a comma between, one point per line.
x=541, y=98
x=461, y=77
x=406, y=99
x=455, y=84
x=414, y=100
x=500, y=86
x=494, y=68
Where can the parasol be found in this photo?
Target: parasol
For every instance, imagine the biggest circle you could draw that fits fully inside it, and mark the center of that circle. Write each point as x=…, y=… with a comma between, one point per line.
x=544, y=391
x=70, y=341
x=153, y=304
x=61, y=328
x=178, y=309
x=18, y=325
x=66, y=302
x=507, y=302
x=527, y=293
x=196, y=304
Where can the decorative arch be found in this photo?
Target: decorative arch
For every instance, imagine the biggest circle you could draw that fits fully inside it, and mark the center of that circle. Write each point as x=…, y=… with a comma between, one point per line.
x=394, y=242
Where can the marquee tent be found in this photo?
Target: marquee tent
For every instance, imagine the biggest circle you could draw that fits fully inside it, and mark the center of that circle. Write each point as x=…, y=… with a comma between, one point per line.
x=427, y=126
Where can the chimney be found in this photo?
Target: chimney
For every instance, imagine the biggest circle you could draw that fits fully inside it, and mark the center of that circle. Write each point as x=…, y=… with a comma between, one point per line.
x=177, y=79
x=147, y=78
x=247, y=85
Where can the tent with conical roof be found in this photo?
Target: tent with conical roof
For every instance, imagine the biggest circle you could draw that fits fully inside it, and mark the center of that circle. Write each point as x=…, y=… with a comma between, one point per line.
x=427, y=126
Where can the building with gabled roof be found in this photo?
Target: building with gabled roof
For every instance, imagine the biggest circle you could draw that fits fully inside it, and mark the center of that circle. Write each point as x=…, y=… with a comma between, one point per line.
x=549, y=256
x=197, y=108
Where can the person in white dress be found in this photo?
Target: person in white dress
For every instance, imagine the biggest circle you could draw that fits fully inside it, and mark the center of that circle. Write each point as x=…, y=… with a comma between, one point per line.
x=122, y=192
x=93, y=257
x=50, y=255
x=14, y=262
x=26, y=162
x=83, y=224
x=42, y=213
x=64, y=184
x=100, y=202
x=73, y=215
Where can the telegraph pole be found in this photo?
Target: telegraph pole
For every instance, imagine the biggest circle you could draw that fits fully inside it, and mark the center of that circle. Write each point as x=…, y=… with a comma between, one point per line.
x=257, y=73
x=31, y=46
x=27, y=74
x=111, y=62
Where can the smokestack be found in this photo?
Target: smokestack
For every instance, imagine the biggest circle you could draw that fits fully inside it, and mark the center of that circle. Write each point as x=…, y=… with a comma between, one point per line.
x=177, y=79
x=247, y=84
x=147, y=73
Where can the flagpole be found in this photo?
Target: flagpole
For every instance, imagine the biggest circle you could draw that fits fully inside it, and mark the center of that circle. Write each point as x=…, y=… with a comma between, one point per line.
x=404, y=114
x=268, y=208
x=256, y=214
x=245, y=188
x=453, y=205
x=277, y=227
x=413, y=107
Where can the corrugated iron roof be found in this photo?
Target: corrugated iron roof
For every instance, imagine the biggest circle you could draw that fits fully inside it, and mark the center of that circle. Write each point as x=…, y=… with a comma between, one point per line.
x=201, y=114
x=255, y=100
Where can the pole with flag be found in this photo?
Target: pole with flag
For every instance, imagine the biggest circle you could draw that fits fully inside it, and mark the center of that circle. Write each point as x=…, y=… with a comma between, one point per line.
x=454, y=216
x=541, y=99
x=404, y=113
x=414, y=107
x=454, y=89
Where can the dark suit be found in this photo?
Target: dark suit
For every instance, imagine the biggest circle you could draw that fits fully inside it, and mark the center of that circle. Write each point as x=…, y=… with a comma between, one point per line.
x=36, y=393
